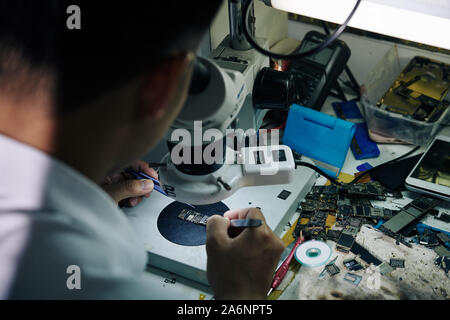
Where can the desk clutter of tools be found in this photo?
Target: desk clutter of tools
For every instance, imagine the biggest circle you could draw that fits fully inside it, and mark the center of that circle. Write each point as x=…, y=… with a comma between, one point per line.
x=377, y=253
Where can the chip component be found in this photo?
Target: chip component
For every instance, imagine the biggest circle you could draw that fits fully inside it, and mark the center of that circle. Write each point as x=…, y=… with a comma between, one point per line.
x=193, y=217
x=352, y=265
x=332, y=269
x=408, y=214
x=371, y=190
x=284, y=194
x=443, y=237
x=353, y=278
x=345, y=242
x=363, y=211
x=333, y=235
x=355, y=222
x=385, y=268
x=397, y=263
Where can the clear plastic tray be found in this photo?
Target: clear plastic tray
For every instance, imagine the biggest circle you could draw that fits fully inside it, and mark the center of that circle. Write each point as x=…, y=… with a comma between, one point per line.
x=388, y=123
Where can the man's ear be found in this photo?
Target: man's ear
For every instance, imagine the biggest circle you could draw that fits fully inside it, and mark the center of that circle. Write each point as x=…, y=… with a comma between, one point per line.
x=159, y=85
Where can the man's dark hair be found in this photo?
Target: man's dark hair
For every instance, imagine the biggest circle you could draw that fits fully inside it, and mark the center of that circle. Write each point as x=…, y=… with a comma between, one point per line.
x=118, y=40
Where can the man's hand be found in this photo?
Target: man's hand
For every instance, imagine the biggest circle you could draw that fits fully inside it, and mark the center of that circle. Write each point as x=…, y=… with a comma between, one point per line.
x=241, y=267
x=127, y=190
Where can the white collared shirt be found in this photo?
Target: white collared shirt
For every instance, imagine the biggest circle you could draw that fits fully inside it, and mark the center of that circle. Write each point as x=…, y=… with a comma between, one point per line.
x=52, y=217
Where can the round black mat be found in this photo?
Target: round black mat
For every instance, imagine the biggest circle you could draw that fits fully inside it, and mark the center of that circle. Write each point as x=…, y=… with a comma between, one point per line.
x=182, y=232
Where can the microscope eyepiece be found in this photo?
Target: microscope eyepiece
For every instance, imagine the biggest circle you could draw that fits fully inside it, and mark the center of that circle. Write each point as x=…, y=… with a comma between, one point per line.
x=200, y=78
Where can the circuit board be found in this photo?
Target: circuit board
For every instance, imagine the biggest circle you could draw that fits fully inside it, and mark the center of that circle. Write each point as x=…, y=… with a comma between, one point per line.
x=349, y=203
x=193, y=217
x=420, y=91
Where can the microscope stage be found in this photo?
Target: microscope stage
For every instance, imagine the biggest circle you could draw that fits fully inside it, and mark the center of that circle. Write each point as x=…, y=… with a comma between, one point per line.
x=277, y=202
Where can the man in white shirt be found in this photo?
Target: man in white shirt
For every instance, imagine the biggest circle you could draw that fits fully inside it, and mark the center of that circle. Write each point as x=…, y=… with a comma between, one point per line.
x=77, y=104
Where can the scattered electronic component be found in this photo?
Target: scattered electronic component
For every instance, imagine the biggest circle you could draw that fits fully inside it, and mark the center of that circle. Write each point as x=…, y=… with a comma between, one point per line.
x=370, y=190
x=353, y=278
x=193, y=217
x=408, y=214
x=332, y=269
x=420, y=91
x=363, y=212
x=352, y=265
x=385, y=268
x=344, y=202
x=443, y=238
x=442, y=251
x=397, y=263
x=355, y=222
x=409, y=231
x=347, y=238
x=345, y=242
x=444, y=217
x=284, y=194
x=351, y=205
x=364, y=254
x=428, y=238
x=333, y=235
x=443, y=263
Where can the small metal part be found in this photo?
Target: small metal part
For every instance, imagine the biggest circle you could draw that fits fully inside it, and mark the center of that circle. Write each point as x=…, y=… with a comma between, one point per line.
x=385, y=268
x=443, y=237
x=355, y=222
x=345, y=242
x=444, y=217
x=332, y=269
x=443, y=263
x=370, y=190
x=353, y=278
x=352, y=265
x=364, y=254
x=397, y=263
x=428, y=238
x=442, y=251
x=284, y=194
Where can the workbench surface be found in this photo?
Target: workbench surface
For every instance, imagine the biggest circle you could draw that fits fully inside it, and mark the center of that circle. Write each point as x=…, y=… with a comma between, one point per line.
x=420, y=279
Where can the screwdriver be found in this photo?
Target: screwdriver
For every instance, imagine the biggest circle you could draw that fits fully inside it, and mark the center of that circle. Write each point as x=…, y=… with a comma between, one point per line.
x=283, y=269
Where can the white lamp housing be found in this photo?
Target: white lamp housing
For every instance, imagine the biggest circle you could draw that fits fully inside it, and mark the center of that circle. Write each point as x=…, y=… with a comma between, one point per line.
x=423, y=21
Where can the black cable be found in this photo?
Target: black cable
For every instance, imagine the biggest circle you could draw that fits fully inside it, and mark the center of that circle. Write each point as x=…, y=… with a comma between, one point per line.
x=353, y=80
x=383, y=165
x=318, y=170
x=324, y=44
x=332, y=180
x=348, y=84
x=347, y=70
x=340, y=92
